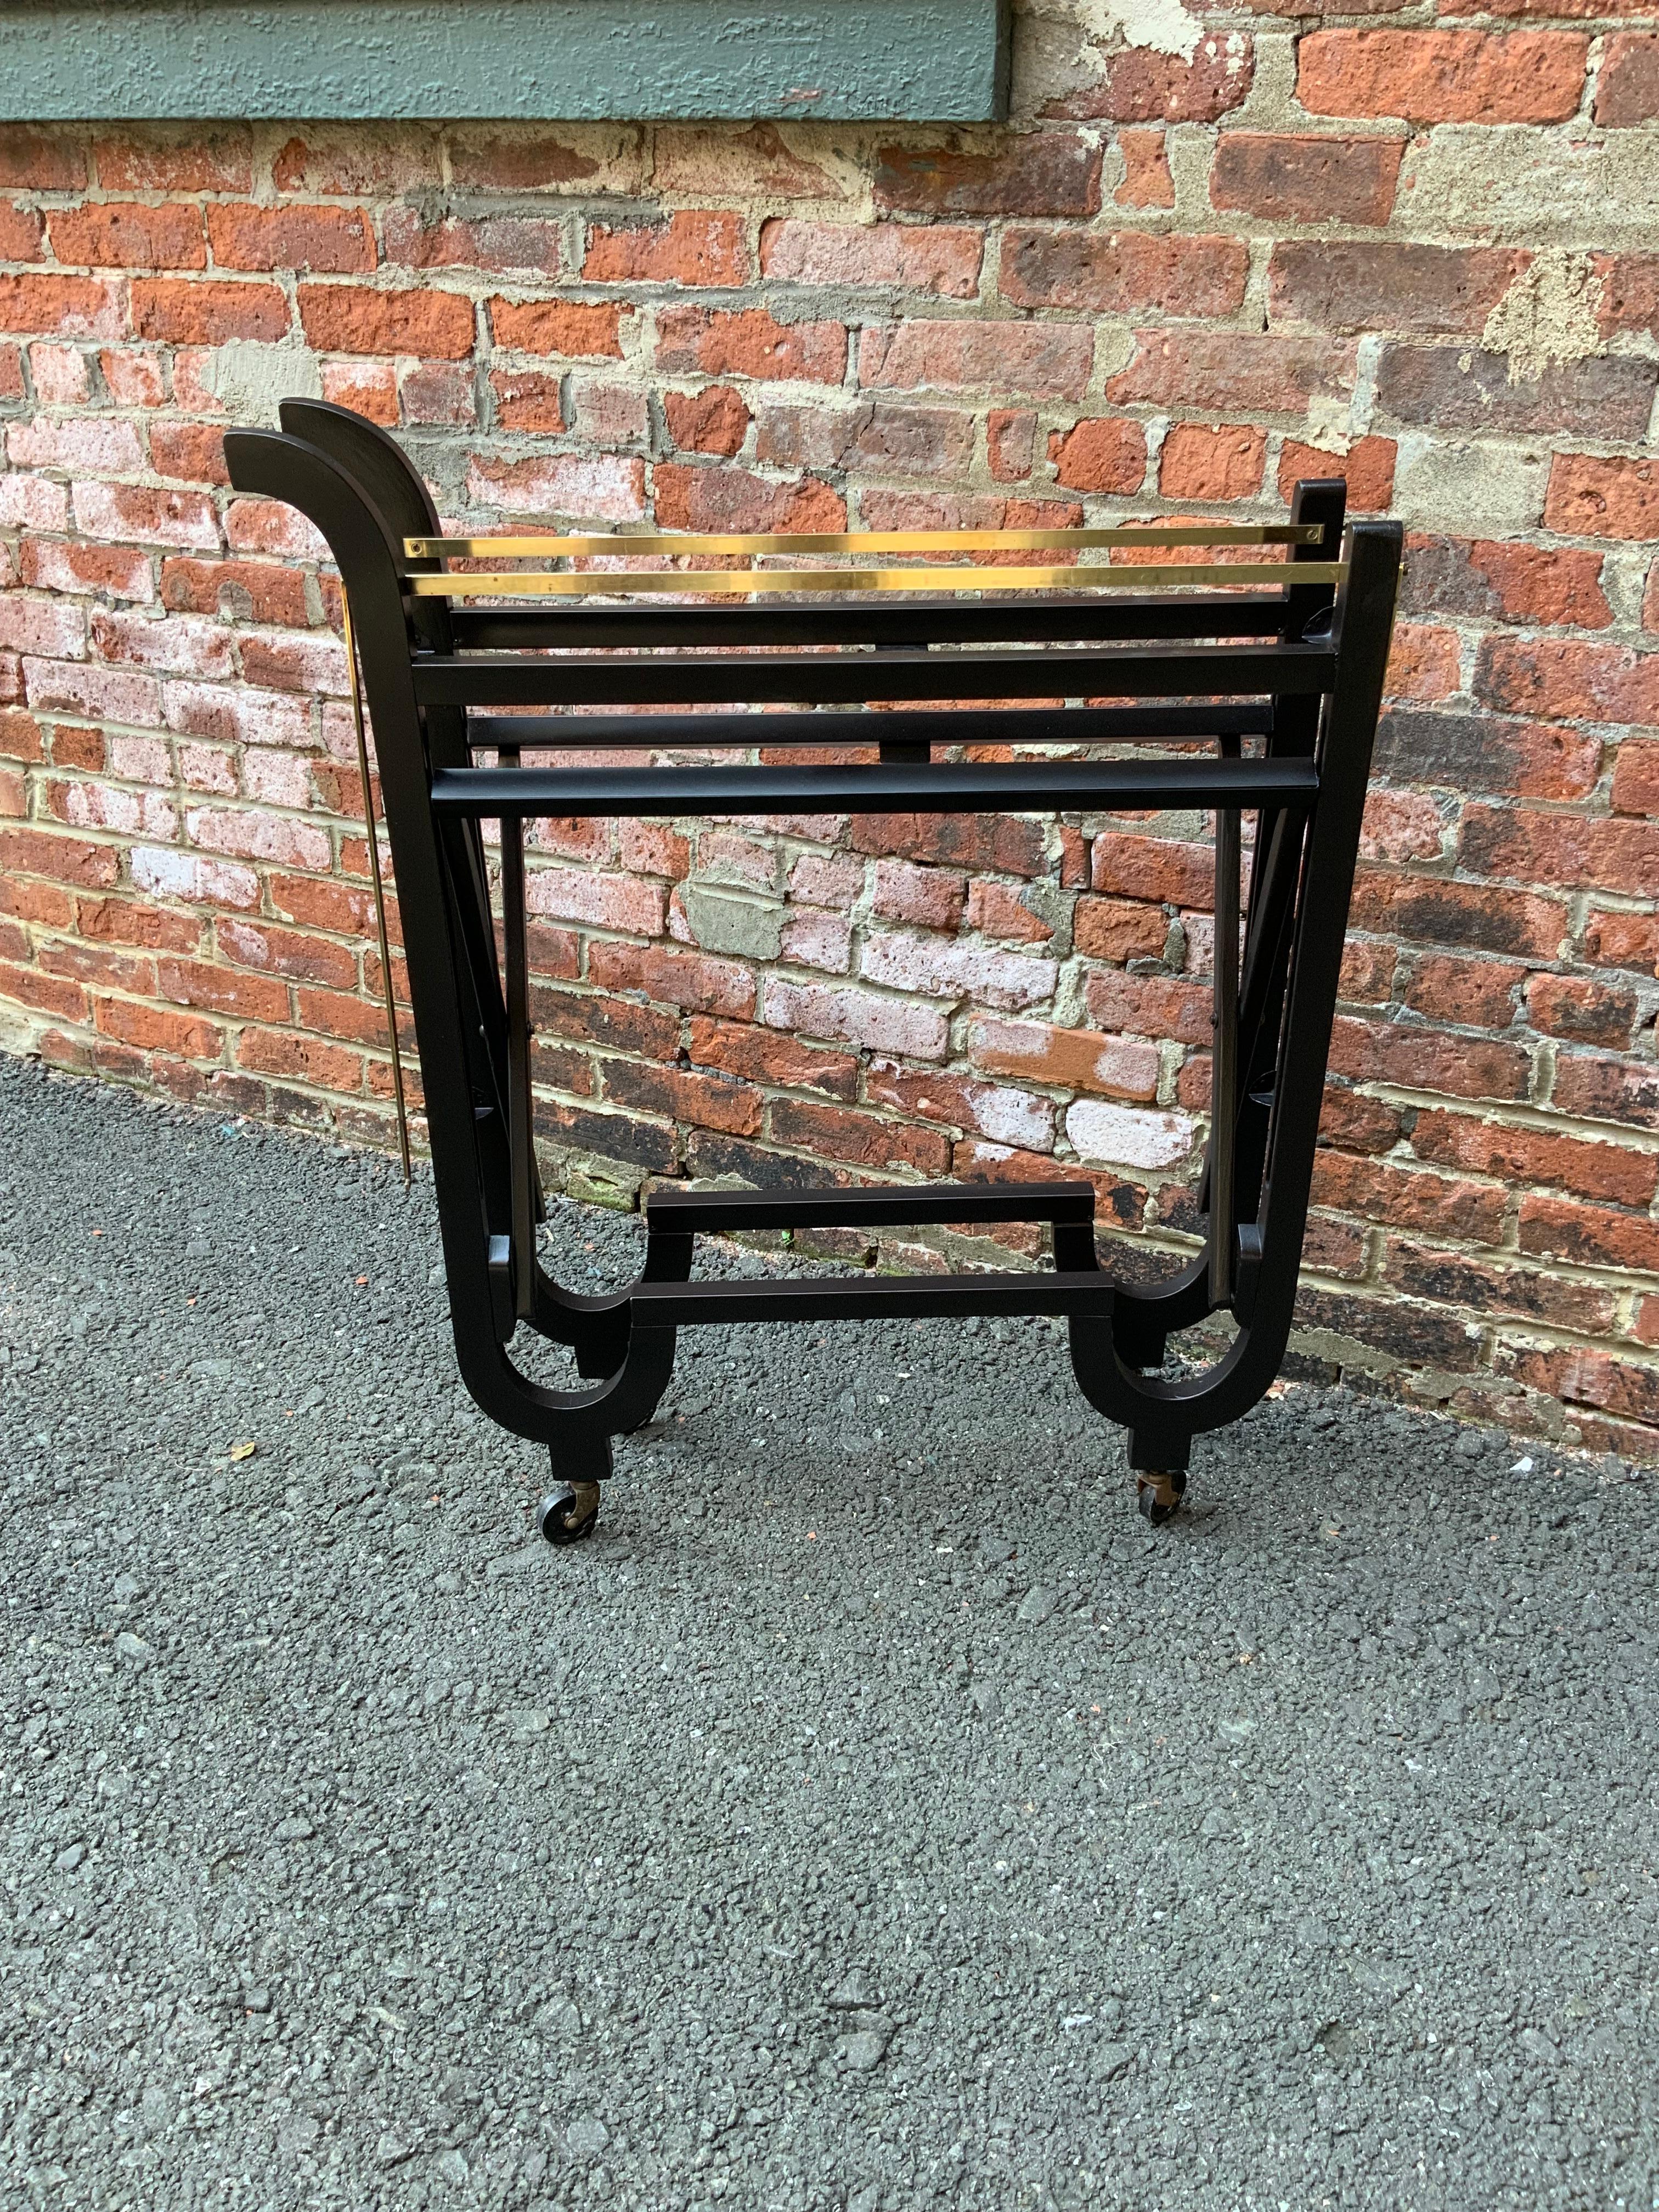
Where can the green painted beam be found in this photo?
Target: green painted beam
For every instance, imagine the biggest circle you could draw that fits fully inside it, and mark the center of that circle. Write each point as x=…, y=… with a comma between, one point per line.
x=564, y=60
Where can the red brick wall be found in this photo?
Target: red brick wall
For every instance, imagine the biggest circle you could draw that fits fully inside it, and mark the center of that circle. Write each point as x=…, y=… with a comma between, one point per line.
x=1427, y=255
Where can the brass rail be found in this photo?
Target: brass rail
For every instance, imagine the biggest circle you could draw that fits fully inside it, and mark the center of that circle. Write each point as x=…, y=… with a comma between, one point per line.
x=1122, y=576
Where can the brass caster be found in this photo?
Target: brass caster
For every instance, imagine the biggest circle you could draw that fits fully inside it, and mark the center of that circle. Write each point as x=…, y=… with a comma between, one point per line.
x=570, y=1513
x=1158, y=1495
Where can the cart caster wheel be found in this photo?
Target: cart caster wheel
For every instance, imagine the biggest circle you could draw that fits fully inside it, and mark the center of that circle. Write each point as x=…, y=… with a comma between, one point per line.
x=1158, y=1495
x=570, y=1513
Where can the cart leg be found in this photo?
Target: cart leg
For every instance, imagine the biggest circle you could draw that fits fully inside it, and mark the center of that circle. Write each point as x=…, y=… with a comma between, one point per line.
x=570, y=1511
x=1159, y=1489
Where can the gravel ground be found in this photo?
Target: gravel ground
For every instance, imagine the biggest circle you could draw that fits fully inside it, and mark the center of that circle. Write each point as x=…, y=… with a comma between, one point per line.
x=876, y=1814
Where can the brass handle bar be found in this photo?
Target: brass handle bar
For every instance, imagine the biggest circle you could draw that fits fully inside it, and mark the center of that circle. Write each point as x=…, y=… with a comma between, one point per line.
x=867, y=541
x=1122, y=577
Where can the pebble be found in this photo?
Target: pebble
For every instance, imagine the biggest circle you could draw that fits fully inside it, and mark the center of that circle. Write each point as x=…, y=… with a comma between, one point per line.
x=134, y=1649
x=1037, y=1606
x=586, y=2138
x=296, y=1829
x=68, y=1859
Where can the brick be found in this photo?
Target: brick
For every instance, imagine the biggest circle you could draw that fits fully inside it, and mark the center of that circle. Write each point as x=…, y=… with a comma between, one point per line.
x=939, y=259
x=1627, y=83
x=1106, y=454
x=1218, y=463
x=302, y=1059
x=86, y=443
x=570, y=328
x=1147, y=182
x=1453, y=1278
x=1054, y=173
x=31, y=502
x=508, y=158
x=764, y=1056
x=1406, y=1198
x=242, y=591
x=191, y=157
x=155, y=1029
x=865, y=1140
x=438, y=392
x=608, y=487
x=353, y=319
x=1477, y=917
x=20, y=735
x=1233, y=372
x=749, y=341
x=530, y=243
x=299, y=955
x=1604, y=1088
x=214, y=989
x=63, y=306
x=929, y=898
x=1583, y=1011
x=1353, y=284
x=1002, y=843
x=1563, y=680
x=1556, y=1229
x=1561, y=850
x=715, y=500
x=1463, y=388
x=1128, y=1136
x=1120, y=929
x=1623, y=940
x=609, y=902
x=326, y=241
x=938, y=967
x=1423, y=664
x=1153, y=868
x=995, y=1110
x=1046, y=361
x=1592, y=497
x=1636, y=777
x=193, y=452
x=728, y=164
x=1480, y=753
x=47, y=626
x=1627, y=292
x=712, y=421
x=1532, y=584
x=652, y=848
x=1300, y=178
x=1475, y=992
x=206, y=311
x=996, y=910
x=167, y=872
x=22, y=234
x=682, y=1094
x=696, y=981
x=528, y=401
x=48, y=161
x=48, y=994
x=1129, y=272
x=1009, y=443
x=1411, y=1057
x=873, y=437
x=1140, y=85
x=841, y=1013
x=367, y=388
x=1442, y=76
x=697, y=246
x=1150, y=1005
x=129, y=234
x=1400, y=825
x=1357, y=1123
x=99, y=694
x=1070, y=1060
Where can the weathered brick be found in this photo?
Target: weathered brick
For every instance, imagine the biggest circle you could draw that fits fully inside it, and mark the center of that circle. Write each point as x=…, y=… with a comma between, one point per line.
x=1533, y=584
x=129, y=234
x=749, y=341
x=1463, y=388
x=1627, y=83
x=938, y=258
x=713, y=420
x=67, y=307
x=1589, y=1236
x=1070, y=1060
x=683, y=1094
x=356, y=319
x=715, y=500
x=191, y=157
x=207, y=310
x=1377, y=1190
x=1592, y=497
x=1479, y=752
x=1457, y=1279
x=1003, y=843
x=842, y=1013
x=1233, y=372
x=1120, y=929
x=1154, y=868
x=1636, y=777
x=608, y=487
x=1432, y=910
x=995, y=1110
x=866, y=1139
x=1146, y=182
x=1416, y=1059
x=1581, y=1010
x=765, y=1056
x=1304, y=178
x=940, y=967
x=42, y=161
x=22, y=236
x=1128, y=272
x=1623, y=940
x=327, y=242
x=1045, y=361
x=1203, y=462
x=1037, y=173
x=1354, y=284
x=696, y=981
x=1469, y=992
x=532, y=157
x=1442, y=76
x=572, y=328
x=874, y=436
x=1563, y=680
x=1141, y=85
x=1107, y=455
x=1150, y=1005
x=697, y=246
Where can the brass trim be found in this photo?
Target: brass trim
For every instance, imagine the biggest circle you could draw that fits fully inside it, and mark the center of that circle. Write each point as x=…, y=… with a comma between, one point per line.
x=869, y=541
x=1122, y=576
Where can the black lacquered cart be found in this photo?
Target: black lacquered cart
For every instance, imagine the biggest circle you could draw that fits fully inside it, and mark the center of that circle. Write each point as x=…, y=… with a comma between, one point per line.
x=1248, y=686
